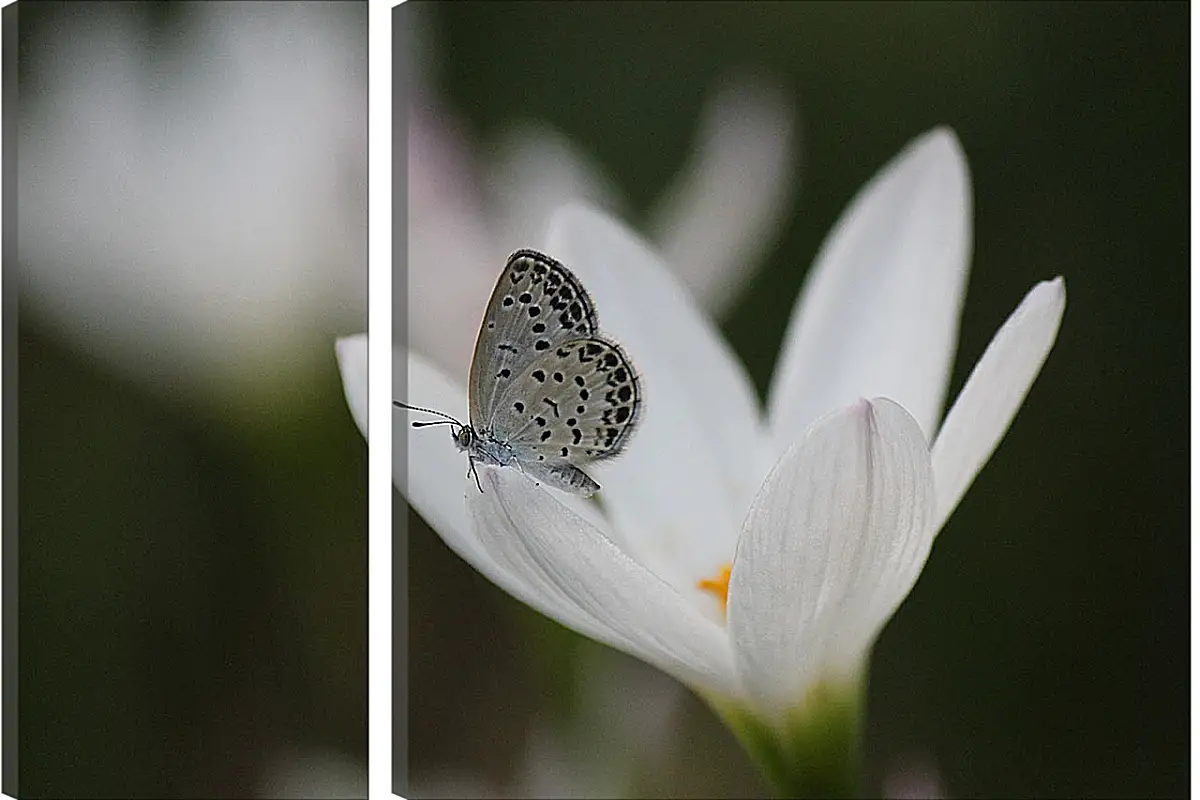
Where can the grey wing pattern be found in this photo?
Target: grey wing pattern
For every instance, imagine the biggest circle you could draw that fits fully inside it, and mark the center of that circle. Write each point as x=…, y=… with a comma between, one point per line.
x=575, y=404
x=536, y=305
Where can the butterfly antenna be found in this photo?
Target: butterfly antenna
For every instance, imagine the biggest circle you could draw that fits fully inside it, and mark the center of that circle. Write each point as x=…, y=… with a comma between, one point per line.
x=448, y=420
x=436, y=422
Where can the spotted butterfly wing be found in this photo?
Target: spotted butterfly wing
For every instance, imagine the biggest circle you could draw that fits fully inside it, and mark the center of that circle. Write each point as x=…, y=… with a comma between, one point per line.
x=536, y=306
x=576, y=404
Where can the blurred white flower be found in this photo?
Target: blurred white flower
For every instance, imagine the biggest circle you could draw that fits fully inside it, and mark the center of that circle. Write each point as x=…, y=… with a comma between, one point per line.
x=195, y=209
x=622, y=722
x=809, y=524
x=715, y=224
x=301, y=773
x=914, y=778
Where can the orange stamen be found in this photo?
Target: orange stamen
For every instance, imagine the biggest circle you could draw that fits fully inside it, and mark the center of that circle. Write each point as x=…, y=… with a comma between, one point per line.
x=718, y=585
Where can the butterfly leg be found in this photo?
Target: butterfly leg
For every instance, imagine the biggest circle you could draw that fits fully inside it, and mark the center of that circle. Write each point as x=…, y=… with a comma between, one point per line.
x=473, y=473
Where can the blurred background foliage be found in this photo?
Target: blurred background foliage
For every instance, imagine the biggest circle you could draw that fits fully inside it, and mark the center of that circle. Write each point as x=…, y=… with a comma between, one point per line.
x=1044, y=650
x=192, y=508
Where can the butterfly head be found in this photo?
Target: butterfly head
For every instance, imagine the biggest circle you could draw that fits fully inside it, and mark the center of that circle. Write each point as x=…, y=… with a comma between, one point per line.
x=464, y=435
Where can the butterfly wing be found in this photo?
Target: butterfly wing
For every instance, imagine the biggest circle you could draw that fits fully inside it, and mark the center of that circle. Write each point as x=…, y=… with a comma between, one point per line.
x=572, y=405
x=537, y=305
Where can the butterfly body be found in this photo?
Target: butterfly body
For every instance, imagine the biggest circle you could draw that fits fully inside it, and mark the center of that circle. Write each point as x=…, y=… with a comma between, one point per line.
x=548, y=393
x=482, y=447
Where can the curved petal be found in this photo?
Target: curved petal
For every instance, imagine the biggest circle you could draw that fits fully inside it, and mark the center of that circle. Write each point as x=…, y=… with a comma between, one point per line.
x=352, y=361
x=544, y=544
x=429, y=469
x=715, y=223
x=880, y=310
x=682, y=486
x=995, y=390
x=431, y=473
x=832, y=544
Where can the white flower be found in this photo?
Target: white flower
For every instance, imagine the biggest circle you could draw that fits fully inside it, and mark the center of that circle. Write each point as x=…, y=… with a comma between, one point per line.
x=713, y=223
x=822, y=510
x=196, y=215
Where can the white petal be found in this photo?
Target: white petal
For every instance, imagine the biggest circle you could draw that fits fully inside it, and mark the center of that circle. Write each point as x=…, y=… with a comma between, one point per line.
x=432, y=474
x=832, y=544
x=352, y=361
x=542, y=542
x=995, y=390
x=683, y=484
x=714, y=225
x=879, y=314
x=426, y=466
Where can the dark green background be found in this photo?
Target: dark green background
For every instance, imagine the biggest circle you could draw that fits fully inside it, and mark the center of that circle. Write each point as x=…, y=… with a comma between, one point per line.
x=192, y=585
x=1044, y=650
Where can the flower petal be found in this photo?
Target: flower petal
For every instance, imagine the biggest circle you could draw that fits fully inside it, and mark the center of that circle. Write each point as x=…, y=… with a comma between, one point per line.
x=429, y=469
x=681, y=488
x=352, y=361
x=880, y=310
x=995, y=390
x=832, y=544
x=431, y=473
x=544, y=544
x=714, y=225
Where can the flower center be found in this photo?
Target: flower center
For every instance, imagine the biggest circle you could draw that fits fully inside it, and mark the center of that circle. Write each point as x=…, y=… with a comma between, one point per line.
x=718, y=585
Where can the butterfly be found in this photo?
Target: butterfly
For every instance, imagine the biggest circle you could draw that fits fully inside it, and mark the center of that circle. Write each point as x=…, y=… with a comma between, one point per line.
x=548, y=393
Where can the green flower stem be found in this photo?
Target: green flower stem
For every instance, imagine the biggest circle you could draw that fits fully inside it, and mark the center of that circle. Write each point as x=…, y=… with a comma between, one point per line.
x=815, y=750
